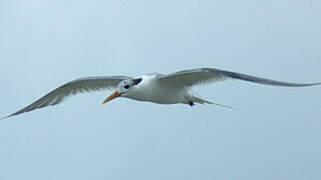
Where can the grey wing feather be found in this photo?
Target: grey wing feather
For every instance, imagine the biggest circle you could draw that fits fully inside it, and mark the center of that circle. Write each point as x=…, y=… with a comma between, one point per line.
x=209, y=75
x=81, y=85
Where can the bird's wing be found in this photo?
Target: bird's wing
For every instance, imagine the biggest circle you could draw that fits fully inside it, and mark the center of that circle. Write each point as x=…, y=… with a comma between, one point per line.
x=207, y=75
x=81, y=85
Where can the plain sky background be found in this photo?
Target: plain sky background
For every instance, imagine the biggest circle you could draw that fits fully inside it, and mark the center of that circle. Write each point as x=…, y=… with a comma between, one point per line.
x=274, y=133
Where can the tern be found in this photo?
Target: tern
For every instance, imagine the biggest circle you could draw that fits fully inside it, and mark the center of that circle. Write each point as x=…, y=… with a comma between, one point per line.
x=172, y=88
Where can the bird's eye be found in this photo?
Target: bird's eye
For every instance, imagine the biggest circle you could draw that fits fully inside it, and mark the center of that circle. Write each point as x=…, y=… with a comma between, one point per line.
x=126, y=86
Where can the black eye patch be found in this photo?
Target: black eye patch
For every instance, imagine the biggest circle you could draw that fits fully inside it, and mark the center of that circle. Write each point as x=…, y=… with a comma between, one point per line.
x=137, y=81
x=126, y=86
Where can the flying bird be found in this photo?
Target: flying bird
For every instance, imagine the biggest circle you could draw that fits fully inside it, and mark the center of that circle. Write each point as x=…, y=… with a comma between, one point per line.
x=172, y=88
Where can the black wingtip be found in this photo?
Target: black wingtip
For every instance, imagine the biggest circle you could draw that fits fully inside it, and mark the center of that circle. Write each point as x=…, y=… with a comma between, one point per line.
x=3, y=118
x=6, y=117
x=265, y=81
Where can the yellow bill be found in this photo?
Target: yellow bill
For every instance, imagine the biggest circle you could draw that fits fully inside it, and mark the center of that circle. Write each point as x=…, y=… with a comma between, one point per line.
x=112, y=96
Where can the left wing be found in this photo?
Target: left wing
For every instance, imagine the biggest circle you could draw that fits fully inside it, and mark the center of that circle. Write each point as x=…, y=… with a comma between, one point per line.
x=193, y=77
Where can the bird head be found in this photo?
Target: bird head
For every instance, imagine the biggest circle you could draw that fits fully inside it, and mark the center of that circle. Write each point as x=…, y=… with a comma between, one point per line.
x=122, y=88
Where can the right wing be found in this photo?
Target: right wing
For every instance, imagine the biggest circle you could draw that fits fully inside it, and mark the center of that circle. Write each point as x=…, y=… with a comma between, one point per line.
x=81, y=85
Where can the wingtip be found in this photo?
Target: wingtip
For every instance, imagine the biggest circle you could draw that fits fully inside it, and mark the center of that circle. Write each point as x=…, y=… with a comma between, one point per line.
x=6, y=117
x=312, y=84
x=3, y=118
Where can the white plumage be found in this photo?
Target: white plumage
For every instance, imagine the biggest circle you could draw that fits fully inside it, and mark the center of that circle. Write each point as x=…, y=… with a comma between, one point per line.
x=157, y=88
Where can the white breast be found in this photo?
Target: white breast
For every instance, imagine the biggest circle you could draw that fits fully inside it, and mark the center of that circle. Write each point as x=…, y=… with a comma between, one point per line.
x=150, y=90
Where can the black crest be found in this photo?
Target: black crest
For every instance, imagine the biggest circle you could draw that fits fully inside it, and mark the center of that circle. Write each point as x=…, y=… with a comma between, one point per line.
x=137, y=81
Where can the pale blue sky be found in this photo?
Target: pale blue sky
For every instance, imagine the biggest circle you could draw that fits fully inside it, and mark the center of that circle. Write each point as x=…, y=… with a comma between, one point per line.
x=274, y=133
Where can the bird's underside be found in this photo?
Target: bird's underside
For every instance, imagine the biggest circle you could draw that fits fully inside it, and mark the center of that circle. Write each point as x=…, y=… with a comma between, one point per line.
x=126, y=86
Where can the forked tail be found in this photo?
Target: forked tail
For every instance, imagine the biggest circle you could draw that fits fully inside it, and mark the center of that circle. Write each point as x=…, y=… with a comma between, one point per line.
x=203, y=101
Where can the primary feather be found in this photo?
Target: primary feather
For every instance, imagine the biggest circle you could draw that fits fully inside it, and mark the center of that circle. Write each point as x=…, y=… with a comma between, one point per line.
x=81, y=85
x=209, y=75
